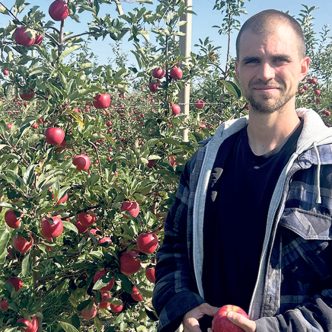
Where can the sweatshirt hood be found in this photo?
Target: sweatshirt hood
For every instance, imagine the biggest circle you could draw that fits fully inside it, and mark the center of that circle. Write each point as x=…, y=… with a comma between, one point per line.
x=314, y=132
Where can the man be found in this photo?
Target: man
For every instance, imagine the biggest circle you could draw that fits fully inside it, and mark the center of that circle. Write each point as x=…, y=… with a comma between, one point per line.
x=251, y=223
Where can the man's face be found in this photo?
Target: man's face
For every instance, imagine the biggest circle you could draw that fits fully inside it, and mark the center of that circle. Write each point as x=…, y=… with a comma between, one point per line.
x=270, y=67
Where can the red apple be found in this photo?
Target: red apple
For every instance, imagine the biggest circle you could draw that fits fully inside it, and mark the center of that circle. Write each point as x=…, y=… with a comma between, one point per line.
x=151, y=163
x=136, y=295
x=116, y=307
x=102, y=100
x=12, y=219
x=153, y=86
x=317, y=92
x=158, y=72
x=27, y=94
x=61, y=200
x=132, y=207
x=5, y=71
x=172, y=160
x=100, y=274
x=82, y=162
x=199, y=103
x=221, y=323
x=4, y=305
x=51, y=227
x=21, y=244
x=24, y=36
x=54, y=135
x=326, y=112
x=150, y=273
x=129, y=262
x=10, y=125
x=31, y=325
x=16, y=282
x=176, y=109
x=176, y=73
x=81, y=228
x=86, y=218
x=312, y=80
x=58, y=10
x=105, y=300
x=89, y=312
x=106, y=240
x=39, y=38
x=147, y=242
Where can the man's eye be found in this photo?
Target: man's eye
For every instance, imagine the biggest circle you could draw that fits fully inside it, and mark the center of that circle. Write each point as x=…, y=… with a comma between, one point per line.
x=251, y=61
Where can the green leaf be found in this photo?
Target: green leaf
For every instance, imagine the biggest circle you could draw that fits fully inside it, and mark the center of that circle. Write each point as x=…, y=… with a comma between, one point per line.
x=68, y=327
x=5, y=204
x=70, y=226
x=69, y=51
x=232, y=88
x=29, y=175
x=26, y=265
x=93, y=179
x=4, y=239
x=13, y=178
x=24, y=129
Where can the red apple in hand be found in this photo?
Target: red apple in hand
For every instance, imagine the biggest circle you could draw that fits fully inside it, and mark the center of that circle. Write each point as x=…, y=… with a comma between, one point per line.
x=221, y=323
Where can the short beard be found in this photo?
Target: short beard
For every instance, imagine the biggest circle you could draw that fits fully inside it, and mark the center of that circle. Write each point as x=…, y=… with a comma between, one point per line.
x=266, y=108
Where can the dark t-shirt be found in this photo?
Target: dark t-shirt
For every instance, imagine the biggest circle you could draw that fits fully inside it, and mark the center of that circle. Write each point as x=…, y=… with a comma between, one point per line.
x=235, y=217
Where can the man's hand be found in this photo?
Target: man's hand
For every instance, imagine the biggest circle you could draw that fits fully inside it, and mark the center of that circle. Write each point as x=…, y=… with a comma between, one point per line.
x=190, y=320
x=244, y=323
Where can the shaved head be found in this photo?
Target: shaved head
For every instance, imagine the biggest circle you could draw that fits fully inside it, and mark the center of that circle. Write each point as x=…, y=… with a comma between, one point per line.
x=264, y=21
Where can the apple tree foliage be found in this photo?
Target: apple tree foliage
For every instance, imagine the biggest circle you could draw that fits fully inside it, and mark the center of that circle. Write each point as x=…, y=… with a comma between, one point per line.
x=135, y=147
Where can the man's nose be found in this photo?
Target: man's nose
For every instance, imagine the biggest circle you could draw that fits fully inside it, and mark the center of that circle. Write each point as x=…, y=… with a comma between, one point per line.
x=266, y=72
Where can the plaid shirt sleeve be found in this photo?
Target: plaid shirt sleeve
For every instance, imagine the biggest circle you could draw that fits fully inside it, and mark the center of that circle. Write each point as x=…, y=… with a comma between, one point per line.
x=175, y=291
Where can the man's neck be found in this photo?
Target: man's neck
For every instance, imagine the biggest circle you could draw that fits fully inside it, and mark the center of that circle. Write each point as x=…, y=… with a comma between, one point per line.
x=267, y=132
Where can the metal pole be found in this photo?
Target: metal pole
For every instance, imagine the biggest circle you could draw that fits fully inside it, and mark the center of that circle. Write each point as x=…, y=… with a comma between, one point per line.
x=185, y=49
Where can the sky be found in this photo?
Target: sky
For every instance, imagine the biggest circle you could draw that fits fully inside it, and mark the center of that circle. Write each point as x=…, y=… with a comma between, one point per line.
x=203, y=21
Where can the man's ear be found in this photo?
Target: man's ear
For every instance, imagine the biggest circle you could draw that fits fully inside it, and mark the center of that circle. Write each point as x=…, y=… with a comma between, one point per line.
x=305, y=64
x=237, y=69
